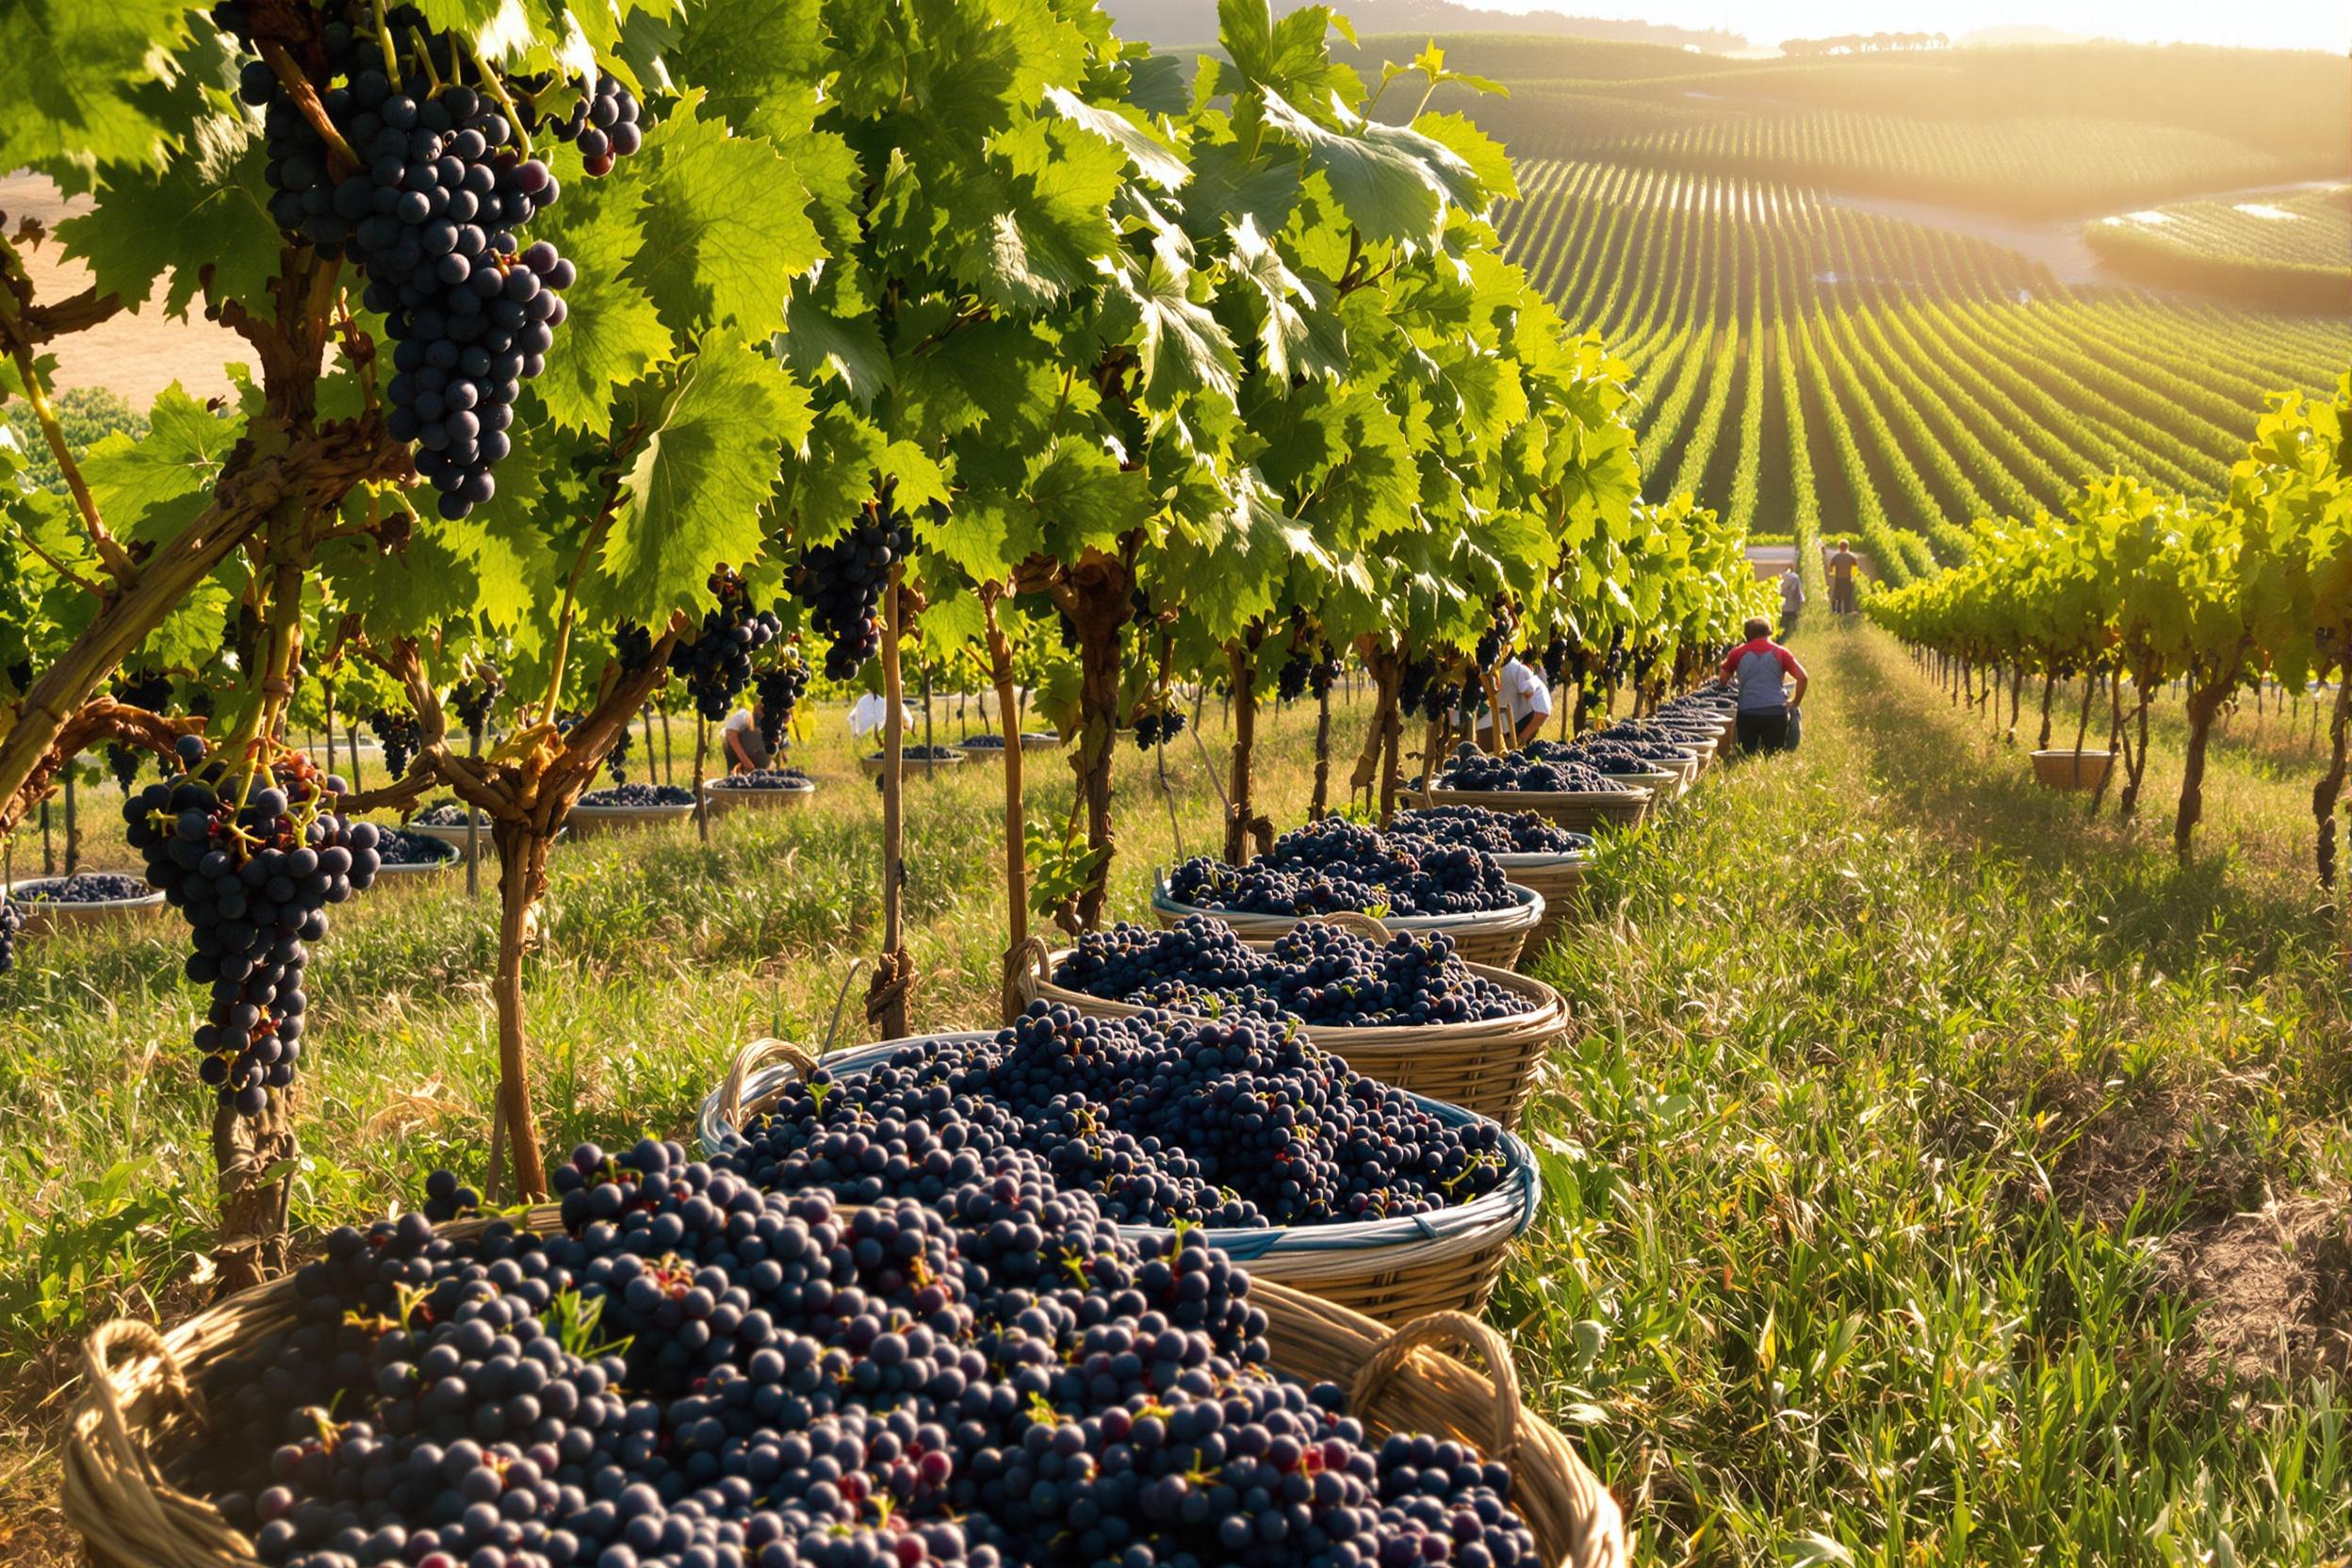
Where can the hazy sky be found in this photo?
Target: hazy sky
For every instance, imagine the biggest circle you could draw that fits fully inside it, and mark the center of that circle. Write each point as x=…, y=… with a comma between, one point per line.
x=2308, y=24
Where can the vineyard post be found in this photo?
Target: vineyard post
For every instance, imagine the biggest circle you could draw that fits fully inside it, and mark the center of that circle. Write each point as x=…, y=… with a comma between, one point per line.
x=702, y=751
x=885, y=996
x=2328, y=793
x=2049, y=691
x=72, y=823
x=2116, y=751
x=522, y=879
x=1241, y=821
x=1322, y=751
x=1015, y=816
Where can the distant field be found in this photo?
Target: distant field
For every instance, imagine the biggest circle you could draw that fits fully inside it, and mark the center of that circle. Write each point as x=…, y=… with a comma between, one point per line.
x=1808, y=366
x=2287, y=249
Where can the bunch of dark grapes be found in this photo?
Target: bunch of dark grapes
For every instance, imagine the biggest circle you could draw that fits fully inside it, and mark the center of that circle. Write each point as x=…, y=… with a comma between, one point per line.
x=632, y=648
x=1317, y=973
x=717, y=663
x=1157, y=726
x=638, y=796
x=1335, y=864
x=397, y=848
x=147, y=689
x=472, y=699
x=1239, y=1121
x=1669, y=727
x=1495, y=832
x=251, y=860
x=616, y=761
x=695, y=1372
x=1494, y=645
x=1472, y=769
x=10, y=921
x=778, y=690
x=430, y=216
x=602, y=125
x=124, y=762
x=1413, y=689
x=448, y=813
x=765, y=778
x=841, y=585
x=400, y=735
x=1618, y=757
x=1556, y=660
x=1307, y=669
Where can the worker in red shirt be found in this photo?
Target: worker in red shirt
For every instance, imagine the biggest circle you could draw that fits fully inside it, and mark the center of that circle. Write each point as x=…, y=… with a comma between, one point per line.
x=1754, y=670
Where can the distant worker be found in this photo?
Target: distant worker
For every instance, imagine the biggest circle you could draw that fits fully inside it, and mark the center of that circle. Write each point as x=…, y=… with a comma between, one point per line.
x=1528, y=696
x=739, y=735
x=1754, y=669
x=1841, y=565
x=872, y=711
x=1792, y=598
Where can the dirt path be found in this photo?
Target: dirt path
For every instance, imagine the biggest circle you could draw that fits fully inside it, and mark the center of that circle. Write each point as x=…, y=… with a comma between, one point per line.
x=135, y=355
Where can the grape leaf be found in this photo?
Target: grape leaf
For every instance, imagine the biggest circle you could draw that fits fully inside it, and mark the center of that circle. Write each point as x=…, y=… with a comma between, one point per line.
x=1393, y=182
x=204, y=210
x=68, y=71
x=834, y=477
x=694, y=493
x=1181, y=346
x=152, y=487
x=1152, y=156
x=611, y=333
x=727, y=226
x=1034, y=220
x=818, y=344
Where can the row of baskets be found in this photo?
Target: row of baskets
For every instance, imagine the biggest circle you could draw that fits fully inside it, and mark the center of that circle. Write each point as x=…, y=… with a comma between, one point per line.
x=1375, y=1308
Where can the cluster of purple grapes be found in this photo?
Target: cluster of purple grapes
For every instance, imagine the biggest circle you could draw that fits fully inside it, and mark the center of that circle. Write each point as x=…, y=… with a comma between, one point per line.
x=1616, y=758
x=430, y=216
x=150, y=690
x=253, y=866
x=11, y=923
x=841, y=583
x=697, y=1370
x=778, y=690
x=638, y=796
x=398, y=732
x=1556, y=660
x=1157, y=725
x=1495, y=832
x=1315, y=669
x=397, y=848
x=1233, y=1121
x=765, y=778
x=717, y=663
x=1317, y=973
x=1419, y=685
x=616, y=761
x=1335, y=864
x=472, y=699
x=1493, y=645
x=603, y=125
x=632, y=646
x=1471, y=769
x=448, y=813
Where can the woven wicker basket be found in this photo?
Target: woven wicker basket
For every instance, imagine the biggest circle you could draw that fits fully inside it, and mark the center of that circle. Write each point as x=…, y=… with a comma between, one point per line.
x=1495, y=937
x=723, y=798
x=587, y=822
x=1577, y=810
x=1392, y=1269
x=909, y=766
x=41, y=916
x=139, y=1418
x=1561, y=879
x=2072, y=770
x=1486, y=1068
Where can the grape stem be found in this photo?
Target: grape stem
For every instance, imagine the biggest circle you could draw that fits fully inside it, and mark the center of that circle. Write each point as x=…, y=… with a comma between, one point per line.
x=424, y=57
x=306, y=100
x=383, y=42
x=498, y=90
x=118, y=561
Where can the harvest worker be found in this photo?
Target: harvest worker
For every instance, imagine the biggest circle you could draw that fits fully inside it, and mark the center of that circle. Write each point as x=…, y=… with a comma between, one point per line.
x=1755, y=668
x=1841, y=565
x=739, y=735
x=1526, y=694
x=1792, y=598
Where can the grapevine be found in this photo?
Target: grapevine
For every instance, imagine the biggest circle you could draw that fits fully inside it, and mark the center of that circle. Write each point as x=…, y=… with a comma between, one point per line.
x=717, y=663
x=841, y=585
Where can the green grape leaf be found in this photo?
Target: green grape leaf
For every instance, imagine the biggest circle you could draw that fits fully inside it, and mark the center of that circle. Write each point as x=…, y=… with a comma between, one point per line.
x=820, y=346
x=1146, y=150
x=1393, y=182
x=1034, y=220
x=611, y=333
x=1181, y=346
x=835, y=478
x=694, y=491
x=70, y=75
x=152, y=487
x=726, y=226
x=208, y=202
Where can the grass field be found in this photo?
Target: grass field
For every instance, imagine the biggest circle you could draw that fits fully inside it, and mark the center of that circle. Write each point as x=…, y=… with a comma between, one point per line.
x=1905, y=1111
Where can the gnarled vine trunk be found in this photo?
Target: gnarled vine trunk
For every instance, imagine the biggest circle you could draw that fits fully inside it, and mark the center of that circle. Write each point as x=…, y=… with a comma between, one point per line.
x=1016, y=812
x=254, y=1158
x=522, y=883
x=1241, y=818
x=1096, y=595
x=2329, y=791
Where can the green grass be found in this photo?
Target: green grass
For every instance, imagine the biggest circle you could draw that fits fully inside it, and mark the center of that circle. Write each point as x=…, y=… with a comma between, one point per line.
x=1895, y=1077
x=1896, y=1082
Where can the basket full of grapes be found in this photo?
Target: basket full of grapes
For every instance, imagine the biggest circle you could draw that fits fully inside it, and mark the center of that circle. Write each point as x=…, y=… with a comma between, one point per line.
x=675, y=1366
x=1411, y=884
x=403, y=852
x=914, y=759
x=756, y=789
x=1569, y=793
x=985, y=747
x=1533, y=850
x=627, y=805
x=85, y=898
x=1282, y=1154
x=1399, y=1006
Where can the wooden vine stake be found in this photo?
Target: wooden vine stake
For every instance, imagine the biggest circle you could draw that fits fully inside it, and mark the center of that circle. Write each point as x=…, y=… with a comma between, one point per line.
x=1016, y=811
x=886, y=995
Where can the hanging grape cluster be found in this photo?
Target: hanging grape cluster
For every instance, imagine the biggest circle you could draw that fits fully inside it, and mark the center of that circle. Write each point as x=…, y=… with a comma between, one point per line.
x=632, y=648
x=779, y=691
x=1157, y=726
x=398, y=732
x=471, y=699
x=616, y=761
x=251, y=855
x=717, y=663
x=445, y=180
x=841, y=585
x=1316, y=669
x=1556, y=660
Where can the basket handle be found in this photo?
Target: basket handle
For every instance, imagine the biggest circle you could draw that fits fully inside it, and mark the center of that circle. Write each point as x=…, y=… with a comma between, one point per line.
x=749, y=1061
x=1453, y=1330
x=110, y=1481
x=1359, y=923
x=1034, y=958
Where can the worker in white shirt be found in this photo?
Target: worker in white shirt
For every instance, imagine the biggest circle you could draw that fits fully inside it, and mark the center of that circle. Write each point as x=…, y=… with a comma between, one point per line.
x=872, y=712
x=1527, y=698
x=739, y=735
